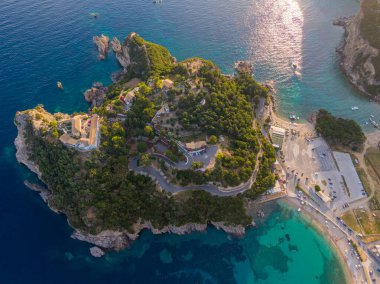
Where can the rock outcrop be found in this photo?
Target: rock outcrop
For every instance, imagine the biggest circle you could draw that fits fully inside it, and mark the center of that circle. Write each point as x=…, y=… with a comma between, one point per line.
x=342, y=21
x=121, y=52
x=102, y=45
x=96, y=95
x=358, y=57
x=96, y=252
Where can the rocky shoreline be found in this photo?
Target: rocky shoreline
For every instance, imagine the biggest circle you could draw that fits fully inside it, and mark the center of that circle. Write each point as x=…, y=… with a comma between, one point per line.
x=107, y=239
x=356, y=56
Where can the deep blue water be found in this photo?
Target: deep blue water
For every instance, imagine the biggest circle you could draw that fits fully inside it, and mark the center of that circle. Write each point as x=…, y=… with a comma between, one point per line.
x=44, y=41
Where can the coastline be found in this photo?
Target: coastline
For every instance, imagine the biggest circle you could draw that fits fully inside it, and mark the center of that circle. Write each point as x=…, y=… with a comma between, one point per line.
x=117, y=240
x=327, y=235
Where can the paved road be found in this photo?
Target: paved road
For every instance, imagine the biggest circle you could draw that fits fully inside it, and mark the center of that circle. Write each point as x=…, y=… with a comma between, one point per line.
x=213, y=189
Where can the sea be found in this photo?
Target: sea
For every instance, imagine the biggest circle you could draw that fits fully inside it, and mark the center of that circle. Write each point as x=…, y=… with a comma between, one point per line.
x=291, y=44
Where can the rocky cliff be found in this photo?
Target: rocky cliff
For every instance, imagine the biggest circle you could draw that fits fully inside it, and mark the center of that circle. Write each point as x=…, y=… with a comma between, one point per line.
x=120, y=239
x=358, y=54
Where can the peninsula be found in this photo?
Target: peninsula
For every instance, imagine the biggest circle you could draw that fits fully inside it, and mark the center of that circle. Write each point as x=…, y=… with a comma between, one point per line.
x=360, y=51
x=170, y=146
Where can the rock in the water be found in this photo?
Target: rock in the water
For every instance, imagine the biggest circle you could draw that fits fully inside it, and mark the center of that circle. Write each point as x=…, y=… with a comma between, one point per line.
x=96, y=252
x=96, y=94
x=102, y=44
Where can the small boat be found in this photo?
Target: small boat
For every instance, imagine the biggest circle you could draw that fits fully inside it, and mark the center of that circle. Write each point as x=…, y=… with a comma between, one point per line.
x=372, y=116
x=299, y=209
x=59, y=85
x=374, y=123
x=94, y=15
x=354, y=108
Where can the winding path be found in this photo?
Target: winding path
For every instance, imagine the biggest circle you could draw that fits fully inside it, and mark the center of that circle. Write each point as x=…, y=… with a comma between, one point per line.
x=211, y=188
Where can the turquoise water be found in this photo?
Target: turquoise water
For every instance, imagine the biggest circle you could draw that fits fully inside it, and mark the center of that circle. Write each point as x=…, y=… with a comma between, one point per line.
x=50, y=40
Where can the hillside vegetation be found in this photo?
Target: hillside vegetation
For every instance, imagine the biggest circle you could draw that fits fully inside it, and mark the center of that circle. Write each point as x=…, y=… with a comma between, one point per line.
x=370, y=28
x=96, y=189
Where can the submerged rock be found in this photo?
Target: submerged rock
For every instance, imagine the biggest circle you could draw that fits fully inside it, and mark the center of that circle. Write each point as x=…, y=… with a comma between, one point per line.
x=102, y=44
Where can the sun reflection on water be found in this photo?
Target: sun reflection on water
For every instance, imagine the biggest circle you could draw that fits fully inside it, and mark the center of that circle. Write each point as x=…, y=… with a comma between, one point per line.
x=275, y=38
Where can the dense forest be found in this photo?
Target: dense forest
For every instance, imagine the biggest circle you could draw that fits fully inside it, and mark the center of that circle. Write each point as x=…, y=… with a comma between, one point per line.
x=228, y=111
x=339, y=132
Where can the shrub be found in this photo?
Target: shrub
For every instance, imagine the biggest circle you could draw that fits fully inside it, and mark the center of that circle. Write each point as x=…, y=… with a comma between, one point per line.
x=142, y=147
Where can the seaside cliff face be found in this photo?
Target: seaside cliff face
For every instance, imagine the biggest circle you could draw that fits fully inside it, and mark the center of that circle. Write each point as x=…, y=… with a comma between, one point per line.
x=359, y=55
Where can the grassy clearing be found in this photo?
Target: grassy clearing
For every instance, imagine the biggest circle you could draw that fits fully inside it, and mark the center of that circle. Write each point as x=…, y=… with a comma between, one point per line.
x=370, y=239
x=373, y=157
x=350, y=220
x=369, y=220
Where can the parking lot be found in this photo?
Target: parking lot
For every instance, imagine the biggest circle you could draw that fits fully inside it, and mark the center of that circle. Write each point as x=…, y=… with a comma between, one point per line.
x=351, y=177
x=313, y=163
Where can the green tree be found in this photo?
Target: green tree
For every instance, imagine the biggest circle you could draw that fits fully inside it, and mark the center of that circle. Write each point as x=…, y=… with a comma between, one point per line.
x=196, y=165
x=213, y=139
x=145, y=160
x=55, y=133
x=148, y=131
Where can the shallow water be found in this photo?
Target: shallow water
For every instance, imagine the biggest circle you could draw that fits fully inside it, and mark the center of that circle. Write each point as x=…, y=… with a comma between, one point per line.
x=48, y=41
